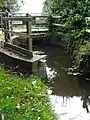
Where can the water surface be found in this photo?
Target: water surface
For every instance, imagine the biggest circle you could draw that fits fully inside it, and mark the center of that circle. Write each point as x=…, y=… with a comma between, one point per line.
x=70, y=96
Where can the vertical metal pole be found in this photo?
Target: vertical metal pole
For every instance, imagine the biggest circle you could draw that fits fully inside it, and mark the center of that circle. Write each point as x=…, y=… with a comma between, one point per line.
x=29, y=40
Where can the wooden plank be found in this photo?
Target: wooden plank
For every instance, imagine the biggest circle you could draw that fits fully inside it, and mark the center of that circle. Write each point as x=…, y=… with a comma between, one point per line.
x=33, y=23
x=38, y=35
x=18, y=49
x=34, y=16
x=17, y=18
x=33, y=35
x=21, y=18
x=58, y=25
x=34, y=30
x=40, y=16
x=17, y=33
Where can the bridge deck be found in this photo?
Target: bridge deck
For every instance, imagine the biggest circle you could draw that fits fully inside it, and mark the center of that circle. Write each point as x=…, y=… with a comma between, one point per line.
x=16, y=56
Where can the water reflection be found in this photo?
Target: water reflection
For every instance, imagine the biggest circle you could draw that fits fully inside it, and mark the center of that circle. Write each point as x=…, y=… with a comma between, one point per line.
x=71, y=95
x=51, y=73
x=85, y=100
x=70, y=108
x=71, y=98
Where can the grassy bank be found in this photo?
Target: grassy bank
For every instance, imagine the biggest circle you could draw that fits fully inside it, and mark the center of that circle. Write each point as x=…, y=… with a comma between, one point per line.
x=23, y=98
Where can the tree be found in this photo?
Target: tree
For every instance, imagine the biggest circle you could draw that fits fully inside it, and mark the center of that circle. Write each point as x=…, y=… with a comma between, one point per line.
x=47, y=7
x=72, y=12
x=10, y=5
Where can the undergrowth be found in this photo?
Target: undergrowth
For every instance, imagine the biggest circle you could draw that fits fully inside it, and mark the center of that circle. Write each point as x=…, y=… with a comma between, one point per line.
x=23, y=98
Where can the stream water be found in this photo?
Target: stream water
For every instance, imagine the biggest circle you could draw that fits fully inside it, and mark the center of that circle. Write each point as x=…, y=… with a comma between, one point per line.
x=70, y=96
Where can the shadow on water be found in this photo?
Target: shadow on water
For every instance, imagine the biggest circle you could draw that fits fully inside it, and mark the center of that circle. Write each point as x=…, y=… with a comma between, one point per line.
x=70, y=96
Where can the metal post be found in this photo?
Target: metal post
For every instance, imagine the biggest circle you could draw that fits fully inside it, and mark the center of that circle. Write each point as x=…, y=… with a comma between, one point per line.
x=29, y=40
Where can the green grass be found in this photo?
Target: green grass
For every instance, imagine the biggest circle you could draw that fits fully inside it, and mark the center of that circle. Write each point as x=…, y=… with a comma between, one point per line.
x=24, y=98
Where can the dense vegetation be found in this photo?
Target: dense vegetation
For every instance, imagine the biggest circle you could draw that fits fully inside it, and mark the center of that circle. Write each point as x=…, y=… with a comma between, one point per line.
x=10, y=5
x=72, y=14
x=73, y=25
x=23, y=98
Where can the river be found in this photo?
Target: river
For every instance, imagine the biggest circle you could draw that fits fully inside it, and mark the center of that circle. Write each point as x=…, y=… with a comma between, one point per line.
x=70, y=96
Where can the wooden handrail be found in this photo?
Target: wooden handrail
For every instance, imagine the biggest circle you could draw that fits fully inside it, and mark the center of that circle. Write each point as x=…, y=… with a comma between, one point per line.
x=24, y=35
x=17, y=18
x=16, y=33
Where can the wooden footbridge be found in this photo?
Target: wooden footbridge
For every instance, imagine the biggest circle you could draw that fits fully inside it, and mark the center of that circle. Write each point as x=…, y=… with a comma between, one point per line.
x=19, y=30
x=25, y=28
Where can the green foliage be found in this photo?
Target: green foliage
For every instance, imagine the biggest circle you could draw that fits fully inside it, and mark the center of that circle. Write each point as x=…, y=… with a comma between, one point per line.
x=88, y=23
x=72, y=14
x=1, y=3
x=84, y=50
x=24, y=99
x=74, y=24
x=12, y=5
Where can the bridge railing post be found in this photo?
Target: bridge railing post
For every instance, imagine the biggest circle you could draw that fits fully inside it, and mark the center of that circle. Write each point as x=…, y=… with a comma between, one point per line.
x=50, y=23
x=11, y=25
x=29, y=40
x=6, y=26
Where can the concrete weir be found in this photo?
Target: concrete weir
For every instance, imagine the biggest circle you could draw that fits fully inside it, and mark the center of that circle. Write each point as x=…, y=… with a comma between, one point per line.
x=10, y=58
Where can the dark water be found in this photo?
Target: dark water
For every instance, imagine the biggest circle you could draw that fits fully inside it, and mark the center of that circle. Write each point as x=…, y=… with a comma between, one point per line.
x=70, y=96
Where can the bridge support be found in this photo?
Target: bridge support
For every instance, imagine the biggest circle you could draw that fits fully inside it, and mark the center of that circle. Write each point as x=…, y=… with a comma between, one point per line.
x=29, y=40
x=6, y=26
